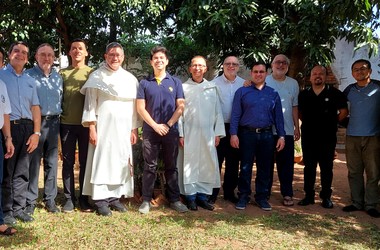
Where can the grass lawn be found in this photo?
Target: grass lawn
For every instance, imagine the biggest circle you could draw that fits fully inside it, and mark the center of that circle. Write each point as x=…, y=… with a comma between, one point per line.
x=166, y=229
x=311, y=227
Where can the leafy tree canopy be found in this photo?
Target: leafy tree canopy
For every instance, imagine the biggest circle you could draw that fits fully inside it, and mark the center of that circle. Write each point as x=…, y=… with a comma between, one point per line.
x=305, y=30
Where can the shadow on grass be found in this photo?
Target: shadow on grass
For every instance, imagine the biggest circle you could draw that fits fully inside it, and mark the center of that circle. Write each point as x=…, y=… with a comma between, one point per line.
x=327, y=231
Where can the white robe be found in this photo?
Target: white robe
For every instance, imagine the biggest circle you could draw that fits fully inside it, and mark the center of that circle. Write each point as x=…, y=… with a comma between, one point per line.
x=110, y=103
x=201, y=122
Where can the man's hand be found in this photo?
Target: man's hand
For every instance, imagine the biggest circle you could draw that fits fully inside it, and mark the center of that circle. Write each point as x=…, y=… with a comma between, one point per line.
x=297, y=134
x=161, y=129
x=32, y=143
x=134, y=136
x=234, y=141
x=280, y=144
x=247, y=83
x=93, y=135
x=217, y=140
x=10, y=148
x=182, y=141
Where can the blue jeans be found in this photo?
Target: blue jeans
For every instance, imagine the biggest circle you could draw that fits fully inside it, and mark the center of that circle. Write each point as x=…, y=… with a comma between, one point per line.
x=197, y=196
x=285, y=167
x=261, y=146
x=48, y=150
x=1, y=179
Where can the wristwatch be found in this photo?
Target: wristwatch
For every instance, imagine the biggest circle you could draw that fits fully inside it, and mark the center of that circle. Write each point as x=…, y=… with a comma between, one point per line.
x=37, y=133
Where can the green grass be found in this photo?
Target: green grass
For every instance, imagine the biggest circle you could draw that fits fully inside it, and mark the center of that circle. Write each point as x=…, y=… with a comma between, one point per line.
x=166, y=229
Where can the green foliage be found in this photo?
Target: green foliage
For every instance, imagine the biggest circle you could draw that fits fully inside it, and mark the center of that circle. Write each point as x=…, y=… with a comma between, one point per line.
x=305, y=30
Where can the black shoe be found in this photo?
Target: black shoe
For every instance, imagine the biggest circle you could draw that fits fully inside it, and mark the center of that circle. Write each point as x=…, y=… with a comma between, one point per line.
x=118, y=206
x=104, y=211
x=68, y=207
x=10, y=220
x=205, y=205
x=192, y=205
x=231, y=198
x=306, y=201
x=350, y=208
x=373, y=213
x=85, y=206
x=52, y=208
x=24, y=217
x=327, y=203
x=211, y=199
x=30, y=209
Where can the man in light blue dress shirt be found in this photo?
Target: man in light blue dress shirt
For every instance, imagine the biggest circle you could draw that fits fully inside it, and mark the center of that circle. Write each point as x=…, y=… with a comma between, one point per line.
x=49, y=90
x=25, y=131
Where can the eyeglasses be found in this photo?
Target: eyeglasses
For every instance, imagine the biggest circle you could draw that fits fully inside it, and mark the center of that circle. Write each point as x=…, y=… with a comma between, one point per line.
x=112, y=55
x=197, y=66
x=231, y=64
x=280, y=62
x=362, y=68
x=258, y=71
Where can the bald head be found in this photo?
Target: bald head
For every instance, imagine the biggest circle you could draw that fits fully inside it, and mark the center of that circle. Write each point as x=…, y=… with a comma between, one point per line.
x=318, y=75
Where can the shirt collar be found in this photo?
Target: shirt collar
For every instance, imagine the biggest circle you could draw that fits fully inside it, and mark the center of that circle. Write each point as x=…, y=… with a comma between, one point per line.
x=10, y=68
x=228, y=81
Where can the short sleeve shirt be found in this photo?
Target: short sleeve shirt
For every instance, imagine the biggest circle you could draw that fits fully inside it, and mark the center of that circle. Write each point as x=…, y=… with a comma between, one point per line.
x=160, y=99
x=22, y=92
x=364, y=109
x=320, y=112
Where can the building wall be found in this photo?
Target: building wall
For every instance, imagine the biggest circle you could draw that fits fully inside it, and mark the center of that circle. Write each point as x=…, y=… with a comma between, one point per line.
x=345, y=56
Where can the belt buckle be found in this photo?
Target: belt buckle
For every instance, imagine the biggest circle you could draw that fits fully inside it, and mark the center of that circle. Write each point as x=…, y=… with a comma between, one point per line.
x=16, y=122
x=258, y=130
x=48, y=117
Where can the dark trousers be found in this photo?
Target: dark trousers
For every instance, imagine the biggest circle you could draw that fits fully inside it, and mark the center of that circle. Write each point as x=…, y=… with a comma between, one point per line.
x=285, y=167
x=318, y=150
x=70, y=135
x=16, y=171
x=105, y=202
x=231, y=159
x=152, y=144
x=1, y=179
x=48, y=151
x=259, y=145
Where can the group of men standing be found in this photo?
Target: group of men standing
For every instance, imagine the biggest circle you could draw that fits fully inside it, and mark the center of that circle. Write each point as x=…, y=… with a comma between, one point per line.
x=98, y=113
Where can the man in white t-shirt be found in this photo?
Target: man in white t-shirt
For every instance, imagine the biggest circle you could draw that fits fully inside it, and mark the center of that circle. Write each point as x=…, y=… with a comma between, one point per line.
x=288, y=90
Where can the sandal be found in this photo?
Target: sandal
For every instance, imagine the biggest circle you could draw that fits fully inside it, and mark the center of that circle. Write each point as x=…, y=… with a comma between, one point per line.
x=288, y=201
x=8, y=231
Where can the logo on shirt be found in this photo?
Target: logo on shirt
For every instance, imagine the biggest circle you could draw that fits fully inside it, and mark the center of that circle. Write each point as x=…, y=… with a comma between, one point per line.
x=170, y=89
x=2, y=98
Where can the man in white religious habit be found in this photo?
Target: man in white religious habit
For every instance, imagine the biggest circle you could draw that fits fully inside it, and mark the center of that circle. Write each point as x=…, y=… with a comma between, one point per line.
x=200, y=128
x=110, y=113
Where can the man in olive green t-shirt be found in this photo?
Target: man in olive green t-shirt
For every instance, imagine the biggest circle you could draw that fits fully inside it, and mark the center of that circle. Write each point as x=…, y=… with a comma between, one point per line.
x=71, y=130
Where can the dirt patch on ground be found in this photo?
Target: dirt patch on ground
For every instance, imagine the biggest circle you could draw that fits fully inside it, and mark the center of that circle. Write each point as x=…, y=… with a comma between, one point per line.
x=340, y=198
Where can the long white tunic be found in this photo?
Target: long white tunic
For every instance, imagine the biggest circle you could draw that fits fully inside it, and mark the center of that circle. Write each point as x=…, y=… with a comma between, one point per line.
x=110, y=103
x=201, y=122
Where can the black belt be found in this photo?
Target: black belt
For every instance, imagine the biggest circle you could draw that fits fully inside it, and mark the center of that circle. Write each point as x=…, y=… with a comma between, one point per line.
x=22, y=121
x=49, y=117
x=257, y=130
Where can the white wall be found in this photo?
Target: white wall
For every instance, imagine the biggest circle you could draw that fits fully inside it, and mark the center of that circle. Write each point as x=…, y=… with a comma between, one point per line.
x=345, y=56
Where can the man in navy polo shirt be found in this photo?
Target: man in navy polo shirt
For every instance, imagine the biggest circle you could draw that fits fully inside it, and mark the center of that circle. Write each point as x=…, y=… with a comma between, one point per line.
x=160, y=102
x=255, y=110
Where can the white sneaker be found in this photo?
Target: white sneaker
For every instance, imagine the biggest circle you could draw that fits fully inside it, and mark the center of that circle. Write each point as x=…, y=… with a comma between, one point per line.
x=179, y=207
x=144, y=207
